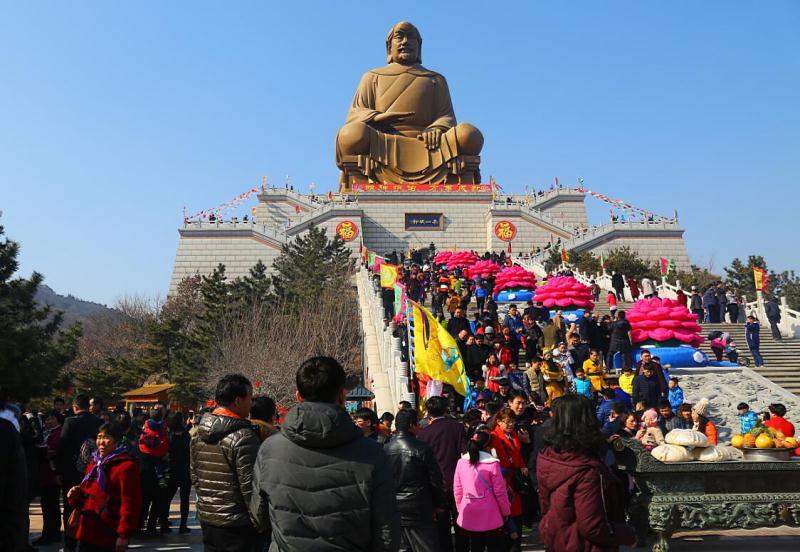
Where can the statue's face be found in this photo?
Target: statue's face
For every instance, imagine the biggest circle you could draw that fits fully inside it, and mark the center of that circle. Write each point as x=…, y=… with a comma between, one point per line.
x=404, y=47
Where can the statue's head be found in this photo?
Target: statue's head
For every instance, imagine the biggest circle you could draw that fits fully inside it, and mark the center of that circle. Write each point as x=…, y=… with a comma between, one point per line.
x=404, y=44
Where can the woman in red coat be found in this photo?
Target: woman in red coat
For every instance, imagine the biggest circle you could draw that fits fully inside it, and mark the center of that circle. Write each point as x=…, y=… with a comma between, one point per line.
x=507, y=444
x=110, y=495
x=582, y=501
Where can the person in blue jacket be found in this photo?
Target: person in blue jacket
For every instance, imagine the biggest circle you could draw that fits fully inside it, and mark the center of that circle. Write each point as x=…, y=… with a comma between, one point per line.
x=583, y=386
x=711, y=304
x=747, y=418
x=604, y=409
x=752, y=332
x=513, y=321
x=675, y=394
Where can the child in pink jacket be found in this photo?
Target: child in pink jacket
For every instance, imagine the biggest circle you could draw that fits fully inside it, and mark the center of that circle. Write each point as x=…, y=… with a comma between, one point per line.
x=480, y=493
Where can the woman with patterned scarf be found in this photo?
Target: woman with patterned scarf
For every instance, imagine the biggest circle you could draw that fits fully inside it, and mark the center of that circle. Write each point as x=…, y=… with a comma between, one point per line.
x=109, y=497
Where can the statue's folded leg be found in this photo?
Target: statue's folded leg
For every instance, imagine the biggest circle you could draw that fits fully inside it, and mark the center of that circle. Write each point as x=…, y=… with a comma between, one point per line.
x=469, y=139
x=353, y=139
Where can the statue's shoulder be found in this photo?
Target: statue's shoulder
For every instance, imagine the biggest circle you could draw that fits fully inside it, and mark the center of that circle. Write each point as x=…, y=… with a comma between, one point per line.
x=394, y=69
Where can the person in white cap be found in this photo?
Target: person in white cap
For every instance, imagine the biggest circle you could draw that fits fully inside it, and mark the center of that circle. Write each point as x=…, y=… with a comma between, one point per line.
x=701, y=422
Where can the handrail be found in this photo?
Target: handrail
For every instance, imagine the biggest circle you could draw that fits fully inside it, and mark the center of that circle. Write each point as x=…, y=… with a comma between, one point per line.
x=397, y=371
x=566, y=228
x=272, y=231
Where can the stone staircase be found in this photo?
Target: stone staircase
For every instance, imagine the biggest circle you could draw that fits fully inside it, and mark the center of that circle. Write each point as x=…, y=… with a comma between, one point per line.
x=781, y=358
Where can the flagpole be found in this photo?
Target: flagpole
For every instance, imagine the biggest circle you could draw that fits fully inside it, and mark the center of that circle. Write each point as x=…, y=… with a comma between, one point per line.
x=412, y=371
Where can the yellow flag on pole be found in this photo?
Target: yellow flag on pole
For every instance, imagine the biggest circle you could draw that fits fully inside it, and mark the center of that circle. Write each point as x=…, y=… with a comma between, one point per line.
x=388, y=275
x=758, y=277
x=436, y=353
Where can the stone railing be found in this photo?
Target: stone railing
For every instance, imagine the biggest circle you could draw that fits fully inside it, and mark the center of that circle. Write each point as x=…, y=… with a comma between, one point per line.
x=322, y=208
x=604, y=229
x=539, y=197
x=388, y=347
x=538, y=213
x=270, y=230
x=790, y=318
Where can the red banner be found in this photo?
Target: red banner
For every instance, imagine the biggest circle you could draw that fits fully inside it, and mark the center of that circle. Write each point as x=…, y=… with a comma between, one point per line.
x=483, y=188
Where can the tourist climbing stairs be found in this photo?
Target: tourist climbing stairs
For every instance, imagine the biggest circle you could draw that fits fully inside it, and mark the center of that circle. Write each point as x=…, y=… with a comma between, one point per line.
x=781, y=358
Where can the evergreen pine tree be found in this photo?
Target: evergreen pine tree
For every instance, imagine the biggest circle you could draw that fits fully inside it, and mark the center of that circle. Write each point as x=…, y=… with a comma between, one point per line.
x=311, y=263
x=33, y=349
x=739, y=275
x=254, y=288
x=626, y=261
x=789, y=285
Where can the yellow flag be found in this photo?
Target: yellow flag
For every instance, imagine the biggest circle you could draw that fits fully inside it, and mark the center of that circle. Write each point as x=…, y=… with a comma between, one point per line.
x=758, y=277
x=388, y=275
x=436, y=353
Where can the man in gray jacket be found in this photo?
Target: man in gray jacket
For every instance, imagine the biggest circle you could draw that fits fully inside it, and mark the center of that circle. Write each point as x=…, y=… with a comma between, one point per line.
x=223, y=452
x=320, y=482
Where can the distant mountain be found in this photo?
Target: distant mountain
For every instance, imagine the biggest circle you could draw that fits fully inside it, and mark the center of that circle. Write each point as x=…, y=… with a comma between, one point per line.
x=74, y=309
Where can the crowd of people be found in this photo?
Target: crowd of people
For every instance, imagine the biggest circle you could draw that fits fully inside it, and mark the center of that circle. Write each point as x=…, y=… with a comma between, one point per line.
x=530, y=445
x=103, y=475
x=324, y=479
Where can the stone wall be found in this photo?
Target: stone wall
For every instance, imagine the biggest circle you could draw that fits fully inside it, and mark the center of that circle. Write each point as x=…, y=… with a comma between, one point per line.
x=200, y=251
x=469, y=223
x=567, y=208
x=384, y=220
x=278, y=207
x=651, y=248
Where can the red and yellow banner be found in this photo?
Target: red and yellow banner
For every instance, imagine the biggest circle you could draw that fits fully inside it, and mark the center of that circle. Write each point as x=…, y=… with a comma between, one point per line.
x=347, y=230
x=758, y=278
x=365, y=187
x=505, y=230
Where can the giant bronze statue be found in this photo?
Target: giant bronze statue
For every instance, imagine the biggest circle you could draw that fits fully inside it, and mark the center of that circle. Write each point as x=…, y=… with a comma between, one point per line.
x=401, y=127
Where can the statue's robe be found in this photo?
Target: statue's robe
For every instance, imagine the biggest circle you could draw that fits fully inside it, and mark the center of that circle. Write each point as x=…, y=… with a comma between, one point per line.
x=396, y=152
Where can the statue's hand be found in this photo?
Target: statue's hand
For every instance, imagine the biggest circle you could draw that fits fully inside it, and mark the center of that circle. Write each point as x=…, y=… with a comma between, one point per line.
x=432, y=137
x=392, y=116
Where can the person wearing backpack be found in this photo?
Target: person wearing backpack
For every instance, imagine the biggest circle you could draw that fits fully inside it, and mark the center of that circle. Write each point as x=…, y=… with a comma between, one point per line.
x=481, y=495
x=153, y=449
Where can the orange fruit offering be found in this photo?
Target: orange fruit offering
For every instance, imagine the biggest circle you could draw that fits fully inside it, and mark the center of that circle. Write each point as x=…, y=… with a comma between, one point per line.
x=737, y=441
x=764, y=441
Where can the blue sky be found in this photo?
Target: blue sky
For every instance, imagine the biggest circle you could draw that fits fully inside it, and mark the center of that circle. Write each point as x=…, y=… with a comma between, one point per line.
x=114, y=116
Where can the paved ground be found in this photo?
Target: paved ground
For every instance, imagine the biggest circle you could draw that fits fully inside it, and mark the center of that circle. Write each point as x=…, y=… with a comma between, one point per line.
x=777, y=539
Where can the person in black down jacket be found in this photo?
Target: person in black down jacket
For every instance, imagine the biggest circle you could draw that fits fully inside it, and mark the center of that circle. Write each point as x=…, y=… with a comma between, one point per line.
x=647, y=388
x=75, y=432
x=419, y=485
x=222, y=454
x=448, y=439
x=321, y=484
x=178, y=467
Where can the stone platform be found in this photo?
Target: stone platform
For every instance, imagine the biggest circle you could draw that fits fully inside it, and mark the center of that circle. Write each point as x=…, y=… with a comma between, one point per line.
x=392, y=217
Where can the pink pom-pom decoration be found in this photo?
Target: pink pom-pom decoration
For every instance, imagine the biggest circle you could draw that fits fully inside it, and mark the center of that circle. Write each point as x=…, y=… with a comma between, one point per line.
x=514, y=277
x=461, y=259
x=483, y=269
x=442, y=257
x=564, y=291
x=663, y=320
